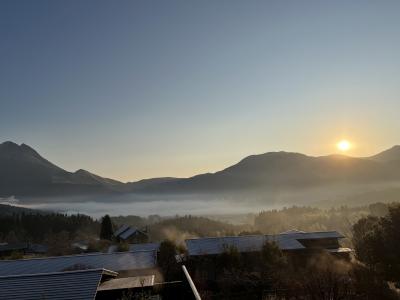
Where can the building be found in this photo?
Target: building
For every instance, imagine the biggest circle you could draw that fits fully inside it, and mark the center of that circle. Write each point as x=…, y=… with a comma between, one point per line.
x=203, y=253
x=289, y=241
x=130, y=235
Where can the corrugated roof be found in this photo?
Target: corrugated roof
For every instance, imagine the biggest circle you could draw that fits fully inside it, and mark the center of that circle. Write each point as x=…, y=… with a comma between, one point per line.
x=79, y=285
x=251, y=243
x=127, y=283
x=118, y=261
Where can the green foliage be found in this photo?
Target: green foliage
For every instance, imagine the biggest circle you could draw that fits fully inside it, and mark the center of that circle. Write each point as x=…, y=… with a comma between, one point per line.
x=106, y=229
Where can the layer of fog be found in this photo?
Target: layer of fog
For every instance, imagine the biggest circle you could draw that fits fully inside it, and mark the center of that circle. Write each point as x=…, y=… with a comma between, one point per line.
x=213, y=204
x=163, y=208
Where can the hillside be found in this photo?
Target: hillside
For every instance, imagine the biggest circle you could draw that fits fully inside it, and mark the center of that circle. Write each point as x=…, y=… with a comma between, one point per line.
x=25, y=173
x=284, y=170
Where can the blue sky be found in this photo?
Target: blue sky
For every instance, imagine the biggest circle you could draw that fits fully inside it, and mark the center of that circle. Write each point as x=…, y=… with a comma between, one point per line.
x=137, y=89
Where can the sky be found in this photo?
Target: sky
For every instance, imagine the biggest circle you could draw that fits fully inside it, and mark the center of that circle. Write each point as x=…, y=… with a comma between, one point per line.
x=140, y=89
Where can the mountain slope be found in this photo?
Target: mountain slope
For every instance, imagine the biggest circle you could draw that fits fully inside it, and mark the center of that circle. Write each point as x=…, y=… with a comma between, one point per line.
x=390, y=155
x=23, y=172
x=283, y=170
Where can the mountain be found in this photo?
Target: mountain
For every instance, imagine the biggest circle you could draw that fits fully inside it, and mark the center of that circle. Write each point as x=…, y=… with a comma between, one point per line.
x=23, y=172
x=390, y=155
x=285, y=171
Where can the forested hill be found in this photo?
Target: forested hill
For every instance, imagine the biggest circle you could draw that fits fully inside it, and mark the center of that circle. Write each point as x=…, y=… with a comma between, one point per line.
x=6, y=209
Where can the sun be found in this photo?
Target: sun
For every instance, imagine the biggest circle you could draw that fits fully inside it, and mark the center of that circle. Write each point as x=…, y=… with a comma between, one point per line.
x=343, y=145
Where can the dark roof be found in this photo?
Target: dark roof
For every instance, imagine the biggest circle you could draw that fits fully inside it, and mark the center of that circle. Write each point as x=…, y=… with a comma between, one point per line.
x=251, y=243
x=121, y=230
x=118, y=261
x=5, y=247
x=131, y=232
x=125, y=232
x=79, y=285
x=138, y=247
x=38, y=248
x=35, y=248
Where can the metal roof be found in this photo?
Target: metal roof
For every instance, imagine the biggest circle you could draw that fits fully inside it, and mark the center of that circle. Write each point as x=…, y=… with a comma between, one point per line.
x=24, y=246
x=130, y=232
x=252, y=243
x=144, y=247
x=118, y=261
x=79, y=285
x=121, y=230
x=127, y=283
x=137, y=247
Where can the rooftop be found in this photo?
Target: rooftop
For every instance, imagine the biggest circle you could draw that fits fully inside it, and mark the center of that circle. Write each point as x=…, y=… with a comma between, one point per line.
x=79, y=285
x=286, y=241
x=118, y=261
x=137, y=247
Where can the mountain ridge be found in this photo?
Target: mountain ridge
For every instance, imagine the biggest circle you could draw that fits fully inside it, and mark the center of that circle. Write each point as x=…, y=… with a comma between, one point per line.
x=25, y=173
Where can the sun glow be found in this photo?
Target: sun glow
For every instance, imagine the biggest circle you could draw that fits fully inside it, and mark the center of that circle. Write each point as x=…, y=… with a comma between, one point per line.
x=343, y=145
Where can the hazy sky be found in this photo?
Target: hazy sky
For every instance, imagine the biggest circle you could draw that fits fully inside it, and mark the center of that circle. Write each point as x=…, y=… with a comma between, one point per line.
x=136, y=89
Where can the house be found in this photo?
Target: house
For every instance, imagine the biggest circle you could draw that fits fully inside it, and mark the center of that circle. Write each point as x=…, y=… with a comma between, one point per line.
x=202, y=253
x=289, y=241
x=130, y=235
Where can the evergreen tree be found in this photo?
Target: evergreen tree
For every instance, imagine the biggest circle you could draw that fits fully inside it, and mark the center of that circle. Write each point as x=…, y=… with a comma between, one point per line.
x=106, y=230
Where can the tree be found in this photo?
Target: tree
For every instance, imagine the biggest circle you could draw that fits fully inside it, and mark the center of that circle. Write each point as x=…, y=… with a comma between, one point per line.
x=106, y=230
x=377, y=241
x=167, y=261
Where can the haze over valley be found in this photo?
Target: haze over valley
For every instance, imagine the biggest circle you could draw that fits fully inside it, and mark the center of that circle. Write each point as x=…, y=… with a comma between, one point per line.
x=257, y=182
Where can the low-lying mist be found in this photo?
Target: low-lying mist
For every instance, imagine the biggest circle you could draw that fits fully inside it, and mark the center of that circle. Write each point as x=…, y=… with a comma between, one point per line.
x=163, y=208
x=213, y=204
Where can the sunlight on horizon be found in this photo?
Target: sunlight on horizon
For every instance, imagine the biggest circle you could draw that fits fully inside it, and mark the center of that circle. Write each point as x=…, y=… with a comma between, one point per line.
x=344, y=145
